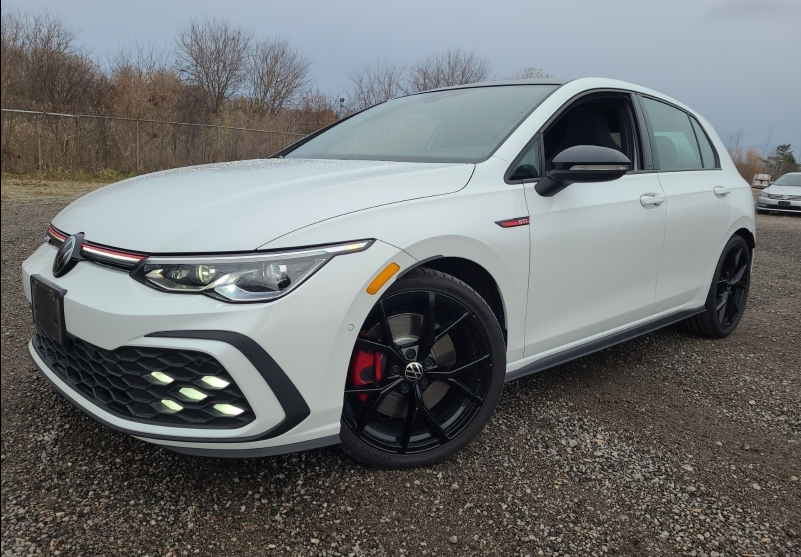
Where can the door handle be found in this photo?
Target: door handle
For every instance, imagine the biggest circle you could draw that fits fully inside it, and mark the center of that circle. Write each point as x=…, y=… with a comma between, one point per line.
x=721, y=191
x=650, y=200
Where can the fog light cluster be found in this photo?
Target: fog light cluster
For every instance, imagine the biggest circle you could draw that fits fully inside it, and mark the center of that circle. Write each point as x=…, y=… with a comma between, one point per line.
x=191, y=394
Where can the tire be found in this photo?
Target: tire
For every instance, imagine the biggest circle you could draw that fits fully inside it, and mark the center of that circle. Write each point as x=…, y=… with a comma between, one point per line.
x=725, y=302
x=388, y=409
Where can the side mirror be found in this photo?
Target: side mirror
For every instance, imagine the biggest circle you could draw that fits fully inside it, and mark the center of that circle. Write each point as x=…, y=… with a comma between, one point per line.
x=583, y=164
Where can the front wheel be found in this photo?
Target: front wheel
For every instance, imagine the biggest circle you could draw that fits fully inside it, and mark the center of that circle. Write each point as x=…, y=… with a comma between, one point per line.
x=726, y=299
x=426, y=373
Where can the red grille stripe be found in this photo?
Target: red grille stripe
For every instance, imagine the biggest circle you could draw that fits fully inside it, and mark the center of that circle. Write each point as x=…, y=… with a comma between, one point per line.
x=114, y=254
x=56, y=233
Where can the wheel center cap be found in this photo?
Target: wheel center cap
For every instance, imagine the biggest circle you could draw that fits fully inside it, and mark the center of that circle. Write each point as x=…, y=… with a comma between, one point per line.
x=413, y=371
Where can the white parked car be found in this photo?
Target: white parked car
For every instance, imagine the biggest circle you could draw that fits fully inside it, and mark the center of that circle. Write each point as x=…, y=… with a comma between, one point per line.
x=376, y=283
x=782, y=195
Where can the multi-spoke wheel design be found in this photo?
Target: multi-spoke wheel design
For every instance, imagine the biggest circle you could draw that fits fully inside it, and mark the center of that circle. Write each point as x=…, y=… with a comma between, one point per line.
x=732, y=286
x=729, y=292
x=423, y=376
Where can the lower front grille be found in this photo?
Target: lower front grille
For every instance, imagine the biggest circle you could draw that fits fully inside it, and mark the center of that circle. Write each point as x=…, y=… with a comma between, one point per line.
x=162, y=386
x=779, y=207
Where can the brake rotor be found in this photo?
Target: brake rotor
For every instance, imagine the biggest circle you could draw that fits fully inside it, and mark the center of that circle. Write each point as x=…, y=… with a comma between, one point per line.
x=405, y=329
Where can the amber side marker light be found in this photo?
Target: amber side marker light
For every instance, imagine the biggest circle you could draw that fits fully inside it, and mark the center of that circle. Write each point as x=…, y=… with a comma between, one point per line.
x=382, y=278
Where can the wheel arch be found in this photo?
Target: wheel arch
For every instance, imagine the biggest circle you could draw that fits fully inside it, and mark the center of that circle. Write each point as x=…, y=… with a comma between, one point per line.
x=746, y=235
x=475, y=276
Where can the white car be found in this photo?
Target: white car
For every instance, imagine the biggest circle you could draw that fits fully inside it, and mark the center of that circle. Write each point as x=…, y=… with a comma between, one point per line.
x=782, y=195
x=376, y=283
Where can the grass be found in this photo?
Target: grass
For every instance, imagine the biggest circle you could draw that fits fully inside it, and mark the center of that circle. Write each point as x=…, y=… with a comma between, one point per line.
x=54, y=184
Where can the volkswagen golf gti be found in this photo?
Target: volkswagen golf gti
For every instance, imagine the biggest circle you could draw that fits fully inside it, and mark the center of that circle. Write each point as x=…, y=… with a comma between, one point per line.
x=375, y=284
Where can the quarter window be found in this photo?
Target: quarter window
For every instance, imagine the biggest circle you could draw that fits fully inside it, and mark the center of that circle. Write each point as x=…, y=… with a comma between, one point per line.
x=707, y=152
x=529, y=164
x=676, y=142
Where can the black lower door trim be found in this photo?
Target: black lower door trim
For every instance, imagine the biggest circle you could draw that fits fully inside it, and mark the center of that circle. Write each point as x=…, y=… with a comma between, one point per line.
x=596, y=345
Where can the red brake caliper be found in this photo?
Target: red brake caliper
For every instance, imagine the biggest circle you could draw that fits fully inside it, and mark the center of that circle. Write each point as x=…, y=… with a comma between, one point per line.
x=365, y=369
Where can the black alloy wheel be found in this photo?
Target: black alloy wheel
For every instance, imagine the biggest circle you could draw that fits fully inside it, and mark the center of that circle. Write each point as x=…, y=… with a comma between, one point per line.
x=426, y=373
x=728, y=294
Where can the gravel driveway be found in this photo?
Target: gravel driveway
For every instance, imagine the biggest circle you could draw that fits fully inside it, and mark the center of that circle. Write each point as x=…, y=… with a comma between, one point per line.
x=665, y=445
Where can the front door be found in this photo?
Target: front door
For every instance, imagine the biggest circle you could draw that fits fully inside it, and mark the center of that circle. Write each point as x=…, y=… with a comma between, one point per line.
x=595, y=248
x=595, y=253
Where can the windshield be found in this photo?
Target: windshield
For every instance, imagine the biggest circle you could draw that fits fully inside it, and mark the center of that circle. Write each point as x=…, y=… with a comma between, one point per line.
x=789, y=180
x=457, y=125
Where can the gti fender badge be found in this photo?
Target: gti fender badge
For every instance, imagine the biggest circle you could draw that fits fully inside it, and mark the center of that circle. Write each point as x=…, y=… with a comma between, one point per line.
x=511, y=223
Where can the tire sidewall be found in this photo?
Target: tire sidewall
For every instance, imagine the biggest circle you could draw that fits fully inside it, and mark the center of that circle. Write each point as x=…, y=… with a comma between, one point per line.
x=440, y=283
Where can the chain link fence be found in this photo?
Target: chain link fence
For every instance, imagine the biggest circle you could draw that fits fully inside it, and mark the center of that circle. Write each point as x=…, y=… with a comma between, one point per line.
x=46, y=141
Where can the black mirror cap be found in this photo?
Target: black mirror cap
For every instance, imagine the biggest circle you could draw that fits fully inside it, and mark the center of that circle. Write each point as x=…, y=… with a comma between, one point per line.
x=583, y=164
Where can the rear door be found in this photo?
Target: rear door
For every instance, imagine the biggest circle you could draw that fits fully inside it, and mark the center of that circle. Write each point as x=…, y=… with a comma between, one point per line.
x=595, y=248
x=698, y=207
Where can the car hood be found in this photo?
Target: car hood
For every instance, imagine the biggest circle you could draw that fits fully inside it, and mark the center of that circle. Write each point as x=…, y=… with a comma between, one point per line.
x=243, y=205
x=783, y=190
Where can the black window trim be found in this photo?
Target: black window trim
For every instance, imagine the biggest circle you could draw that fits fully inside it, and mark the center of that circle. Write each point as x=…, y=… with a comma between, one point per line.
x=693, y=119
x=556, y=115
x=652, y=137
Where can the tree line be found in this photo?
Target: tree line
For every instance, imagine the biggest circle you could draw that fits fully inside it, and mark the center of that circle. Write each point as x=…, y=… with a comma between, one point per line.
x=213, y=72
x=773, y=161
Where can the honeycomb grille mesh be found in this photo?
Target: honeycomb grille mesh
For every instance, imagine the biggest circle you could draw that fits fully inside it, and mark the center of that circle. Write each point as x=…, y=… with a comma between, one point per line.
x=120, y=382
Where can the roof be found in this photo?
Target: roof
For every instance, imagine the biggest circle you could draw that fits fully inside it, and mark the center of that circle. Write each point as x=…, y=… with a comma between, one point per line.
x=536, y=81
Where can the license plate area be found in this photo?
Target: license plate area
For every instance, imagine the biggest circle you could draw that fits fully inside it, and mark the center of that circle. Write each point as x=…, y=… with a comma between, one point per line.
x=784, y=203
x=47, y=301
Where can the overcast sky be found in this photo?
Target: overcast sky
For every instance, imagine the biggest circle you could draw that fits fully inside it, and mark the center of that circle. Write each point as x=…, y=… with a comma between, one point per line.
x=735, y=61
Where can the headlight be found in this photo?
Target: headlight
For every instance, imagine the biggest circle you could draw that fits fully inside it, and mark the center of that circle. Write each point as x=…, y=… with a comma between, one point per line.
x=253, y=277
x=763, y=193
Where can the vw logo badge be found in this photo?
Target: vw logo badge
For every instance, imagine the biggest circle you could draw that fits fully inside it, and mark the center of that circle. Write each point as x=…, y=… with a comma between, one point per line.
x=413, y=371
x=67, y=255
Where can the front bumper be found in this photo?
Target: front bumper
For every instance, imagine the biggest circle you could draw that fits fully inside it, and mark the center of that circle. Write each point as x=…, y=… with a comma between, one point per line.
x=767, y=204
x=289, y=357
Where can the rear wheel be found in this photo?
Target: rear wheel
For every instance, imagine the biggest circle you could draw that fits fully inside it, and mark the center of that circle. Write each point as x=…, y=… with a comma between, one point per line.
x=728, y=294
x=426, y=373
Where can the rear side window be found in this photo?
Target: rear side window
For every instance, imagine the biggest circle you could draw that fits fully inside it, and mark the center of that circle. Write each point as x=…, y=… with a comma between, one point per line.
x=707, y=152
x=676, y=142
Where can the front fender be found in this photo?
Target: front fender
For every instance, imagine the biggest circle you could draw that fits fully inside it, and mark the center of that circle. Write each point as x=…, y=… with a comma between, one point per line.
x=461, y=224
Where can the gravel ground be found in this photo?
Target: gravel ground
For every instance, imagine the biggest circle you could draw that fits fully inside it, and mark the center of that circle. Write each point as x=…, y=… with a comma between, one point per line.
x=665, y=445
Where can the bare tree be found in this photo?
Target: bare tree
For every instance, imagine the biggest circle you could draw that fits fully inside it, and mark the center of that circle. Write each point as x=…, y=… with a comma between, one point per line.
x=277, y=74
x=375, y=84
x=452, y=67
x=141, y=85
x=316, y=109
x=12, y=54
x=58, y=71
x=528, y=73
x=212, y=55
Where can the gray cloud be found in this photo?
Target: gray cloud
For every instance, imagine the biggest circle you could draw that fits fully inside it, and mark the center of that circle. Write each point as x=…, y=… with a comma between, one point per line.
x=748, y=9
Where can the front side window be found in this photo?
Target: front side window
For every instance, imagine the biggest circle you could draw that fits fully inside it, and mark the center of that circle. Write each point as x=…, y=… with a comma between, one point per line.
x=457, y=125
x=604, y=120
x=676, y=142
